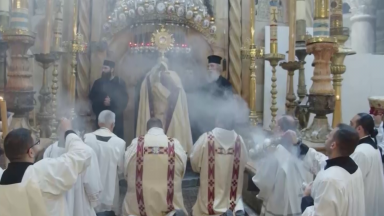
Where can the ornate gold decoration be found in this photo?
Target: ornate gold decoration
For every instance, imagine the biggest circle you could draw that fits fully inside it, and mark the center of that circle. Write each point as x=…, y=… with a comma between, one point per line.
x=189, y=12
x=274, y=59
x=163, y=40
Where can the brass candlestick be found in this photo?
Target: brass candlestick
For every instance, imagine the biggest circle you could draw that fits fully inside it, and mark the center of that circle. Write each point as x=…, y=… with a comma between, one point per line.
x=44, y=116
x=291, y=98
x=274, y=59
x=76, y=46
x=338, y=68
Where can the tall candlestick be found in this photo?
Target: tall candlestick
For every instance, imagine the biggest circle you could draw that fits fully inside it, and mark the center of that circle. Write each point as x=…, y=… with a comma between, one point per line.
x=292, y=30
x=252, y=22
x=4, y=5
x=273, y=12
x=4, y=118
x=48, y=27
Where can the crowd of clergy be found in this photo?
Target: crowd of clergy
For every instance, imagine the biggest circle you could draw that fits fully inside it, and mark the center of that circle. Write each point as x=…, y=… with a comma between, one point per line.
x=80, y=176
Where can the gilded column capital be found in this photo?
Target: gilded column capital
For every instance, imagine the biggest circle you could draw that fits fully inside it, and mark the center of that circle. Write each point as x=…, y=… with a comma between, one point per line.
x=363, y=7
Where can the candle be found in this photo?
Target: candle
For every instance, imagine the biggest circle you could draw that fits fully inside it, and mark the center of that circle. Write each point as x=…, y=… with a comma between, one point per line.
x=75, y=14
x=4, y=5
x=300, y=10
x=4, y=118
x=252, y=22
x=292, y=30
x=48, y=27
x=273, y=12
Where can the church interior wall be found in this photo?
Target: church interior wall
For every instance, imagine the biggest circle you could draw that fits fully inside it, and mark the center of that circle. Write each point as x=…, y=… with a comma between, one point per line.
x=361, y=80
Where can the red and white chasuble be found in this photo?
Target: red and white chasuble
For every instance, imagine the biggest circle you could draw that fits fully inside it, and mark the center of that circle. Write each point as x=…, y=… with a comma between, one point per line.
x=220, y=157
x=155, y=167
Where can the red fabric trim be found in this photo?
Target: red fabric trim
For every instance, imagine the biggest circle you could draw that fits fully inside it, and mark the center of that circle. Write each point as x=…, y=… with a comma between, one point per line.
x=211, y=173
x=235, y=174
x=376, y=111
x=139, y=176
x=171, y=174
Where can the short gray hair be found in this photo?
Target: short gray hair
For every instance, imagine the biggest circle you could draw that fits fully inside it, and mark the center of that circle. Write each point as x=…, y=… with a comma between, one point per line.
x=107, y=117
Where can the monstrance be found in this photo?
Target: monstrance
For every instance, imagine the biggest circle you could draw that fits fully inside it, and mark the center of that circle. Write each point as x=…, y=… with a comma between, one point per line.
x=163, y=40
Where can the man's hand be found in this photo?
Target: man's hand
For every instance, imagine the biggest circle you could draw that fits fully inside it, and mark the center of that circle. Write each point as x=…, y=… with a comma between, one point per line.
x=378, y=119
x=308, y=190
x=291, y=135
x=65, y=125
x=107, y=101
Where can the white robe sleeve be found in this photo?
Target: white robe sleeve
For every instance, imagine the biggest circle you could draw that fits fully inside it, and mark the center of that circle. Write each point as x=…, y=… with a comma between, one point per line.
x=379, y=136
x=313, y=161
x=58, y=175
x=328, y=200
x=362, y=162
x=92, y=181
x=265, y=177
x=120, y=161
x=129, y=154
x=197, y=153
x=180, y=152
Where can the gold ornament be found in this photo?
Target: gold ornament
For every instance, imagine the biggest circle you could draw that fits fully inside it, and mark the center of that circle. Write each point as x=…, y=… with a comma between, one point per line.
x=163, y=40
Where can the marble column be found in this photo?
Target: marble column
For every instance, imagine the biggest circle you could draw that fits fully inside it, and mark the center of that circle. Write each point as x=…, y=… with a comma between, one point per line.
x=363, y=25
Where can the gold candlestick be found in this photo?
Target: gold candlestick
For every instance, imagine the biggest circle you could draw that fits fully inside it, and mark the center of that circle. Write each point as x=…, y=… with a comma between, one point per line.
x=76, y=46
x=252, y=53
x=290, y=104
x=274, y=59
x=338, y=68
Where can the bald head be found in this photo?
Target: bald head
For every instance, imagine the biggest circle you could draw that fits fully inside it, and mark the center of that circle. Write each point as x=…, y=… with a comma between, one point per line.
x=286, y=122
x=154, y=122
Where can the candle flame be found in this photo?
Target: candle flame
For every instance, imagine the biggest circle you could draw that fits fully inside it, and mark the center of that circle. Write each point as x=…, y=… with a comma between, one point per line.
x=1, y=98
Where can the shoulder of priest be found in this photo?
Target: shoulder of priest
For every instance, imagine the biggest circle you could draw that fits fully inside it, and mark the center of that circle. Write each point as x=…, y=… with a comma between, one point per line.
x=223, y=82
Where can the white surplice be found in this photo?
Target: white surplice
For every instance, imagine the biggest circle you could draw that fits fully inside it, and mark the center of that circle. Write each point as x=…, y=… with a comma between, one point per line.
x=110, y=154
x=369, y=161
x=280, y=176
x=152, y=186
x=380, y=136
x=220, y=157
x=46, y=182
x=336, y=192
x=83, y=197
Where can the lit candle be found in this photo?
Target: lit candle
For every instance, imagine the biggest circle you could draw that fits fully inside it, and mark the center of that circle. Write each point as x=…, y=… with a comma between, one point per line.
x=292, y=30
x=4, y=118
x=48, y=27
x=273, y=12
x=4, y=5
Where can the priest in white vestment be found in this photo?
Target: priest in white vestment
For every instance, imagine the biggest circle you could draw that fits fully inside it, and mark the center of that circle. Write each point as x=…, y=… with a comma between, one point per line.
x=162, y=96
x=280, y=173
x=220, y=157
x=338, y=189
x=83, y=197
x=109, y=149
x=155, y=167
x=39, y=189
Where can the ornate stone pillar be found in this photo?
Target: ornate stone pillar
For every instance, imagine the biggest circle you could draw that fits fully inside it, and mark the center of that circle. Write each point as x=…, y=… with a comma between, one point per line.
x=363, y=25
x=235, y=43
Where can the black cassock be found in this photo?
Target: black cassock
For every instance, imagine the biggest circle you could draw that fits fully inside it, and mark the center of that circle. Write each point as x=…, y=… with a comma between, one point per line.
x=204, y=104
x=117, y=92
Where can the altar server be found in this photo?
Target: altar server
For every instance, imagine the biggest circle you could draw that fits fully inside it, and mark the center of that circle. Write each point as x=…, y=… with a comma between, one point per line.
x=338, y=189
x=155, y=167
x=83, y=197
x=39, y=189
x=110, y=155
x=110, y=93
x=280, y=174
x=220, y=157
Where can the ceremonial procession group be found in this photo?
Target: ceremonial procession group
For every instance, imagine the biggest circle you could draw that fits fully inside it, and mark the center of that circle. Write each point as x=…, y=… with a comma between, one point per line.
x=79, y=176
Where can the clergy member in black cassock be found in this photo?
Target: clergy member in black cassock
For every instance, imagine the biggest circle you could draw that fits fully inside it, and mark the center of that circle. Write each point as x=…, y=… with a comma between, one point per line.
x=214, y=93
x=109, y=93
